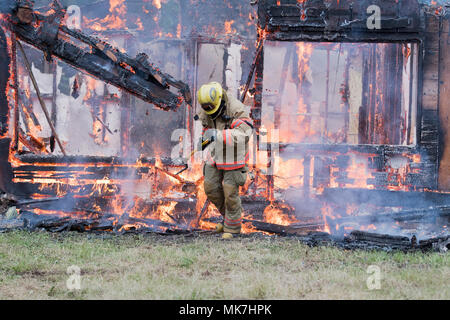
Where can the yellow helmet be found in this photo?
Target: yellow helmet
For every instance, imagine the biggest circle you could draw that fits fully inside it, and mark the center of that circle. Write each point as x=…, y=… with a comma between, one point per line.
x=210, y=96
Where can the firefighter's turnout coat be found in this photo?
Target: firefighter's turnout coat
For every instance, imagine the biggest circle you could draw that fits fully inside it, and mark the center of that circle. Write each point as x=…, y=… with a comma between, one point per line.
x=225, y=167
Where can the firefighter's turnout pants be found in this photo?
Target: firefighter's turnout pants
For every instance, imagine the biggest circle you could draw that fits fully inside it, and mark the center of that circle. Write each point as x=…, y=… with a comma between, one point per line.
x=222, y=189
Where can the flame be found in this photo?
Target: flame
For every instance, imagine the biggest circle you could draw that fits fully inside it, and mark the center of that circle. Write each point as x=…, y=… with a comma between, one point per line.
x=304, y=52
x=163, y=211
x=228, y=28
x=157, y=4
x=284, y=173
x=359, y=172
x=58, y=188
x=369, y=227
x=276, y=214
x=104, y=187
x=139, y=24
x=179, y=31
x=114, y=20
x=327, y=212
x=247, y=228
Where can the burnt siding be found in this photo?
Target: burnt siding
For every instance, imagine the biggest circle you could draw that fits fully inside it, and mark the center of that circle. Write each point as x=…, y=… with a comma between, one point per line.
x=4, y=76
x=317, y=20
x=5, y=167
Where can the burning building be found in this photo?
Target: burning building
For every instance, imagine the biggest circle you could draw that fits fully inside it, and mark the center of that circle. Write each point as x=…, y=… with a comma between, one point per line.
x=348, y=99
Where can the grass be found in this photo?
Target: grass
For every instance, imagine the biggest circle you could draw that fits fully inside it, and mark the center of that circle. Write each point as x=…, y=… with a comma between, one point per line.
x=34, y=266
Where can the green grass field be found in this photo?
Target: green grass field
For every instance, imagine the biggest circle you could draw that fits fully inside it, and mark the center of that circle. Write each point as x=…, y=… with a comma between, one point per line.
x=34, y=266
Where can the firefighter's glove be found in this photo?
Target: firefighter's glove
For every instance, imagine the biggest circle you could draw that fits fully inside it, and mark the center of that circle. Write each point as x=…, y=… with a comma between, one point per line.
x=209, y=136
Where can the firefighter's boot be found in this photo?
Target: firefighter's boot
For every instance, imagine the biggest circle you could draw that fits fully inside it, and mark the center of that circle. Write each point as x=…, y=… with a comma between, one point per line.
x=219, y=228
x=227, y=236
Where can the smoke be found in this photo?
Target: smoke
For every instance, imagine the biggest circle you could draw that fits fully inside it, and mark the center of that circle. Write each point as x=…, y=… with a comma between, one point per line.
x=6, y=6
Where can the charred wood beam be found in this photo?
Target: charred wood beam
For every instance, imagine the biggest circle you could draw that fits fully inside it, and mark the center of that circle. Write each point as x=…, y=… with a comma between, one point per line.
x=104, y=125
x=173, y=175
x=22, y=203
x=4, y=78
x=166, y=161
x=256, y=109
x=345, y=19
x=53, y=223
x=252, y=69
x=268, y=227
x=83, y=172
x=134, y=75
x=163, y=200
x=59, y=169
x=139, y=64
x=6, y=172
x=54, y=159
x=85, y=205
x=316, y=36
x=300, y=228
x=322, y=149
x=439, y=244
x=421, y=215
x=54, y=107
x=15, y=142
x=381, y=239
x=292, y=229
x=151, y=222
x=31, y=142
x=386, y=23
x=416, y=214
x=28, y=106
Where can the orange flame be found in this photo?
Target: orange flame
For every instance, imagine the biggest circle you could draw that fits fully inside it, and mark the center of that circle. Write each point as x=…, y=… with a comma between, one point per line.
x=277, y=214
x=114, y=20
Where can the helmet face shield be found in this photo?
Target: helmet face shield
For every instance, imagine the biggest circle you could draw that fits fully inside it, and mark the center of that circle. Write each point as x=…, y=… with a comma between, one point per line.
x=219, y=110
x=208, y=107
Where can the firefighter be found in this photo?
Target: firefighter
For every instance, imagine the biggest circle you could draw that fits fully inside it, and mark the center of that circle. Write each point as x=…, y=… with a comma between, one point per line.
x=226, y=123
